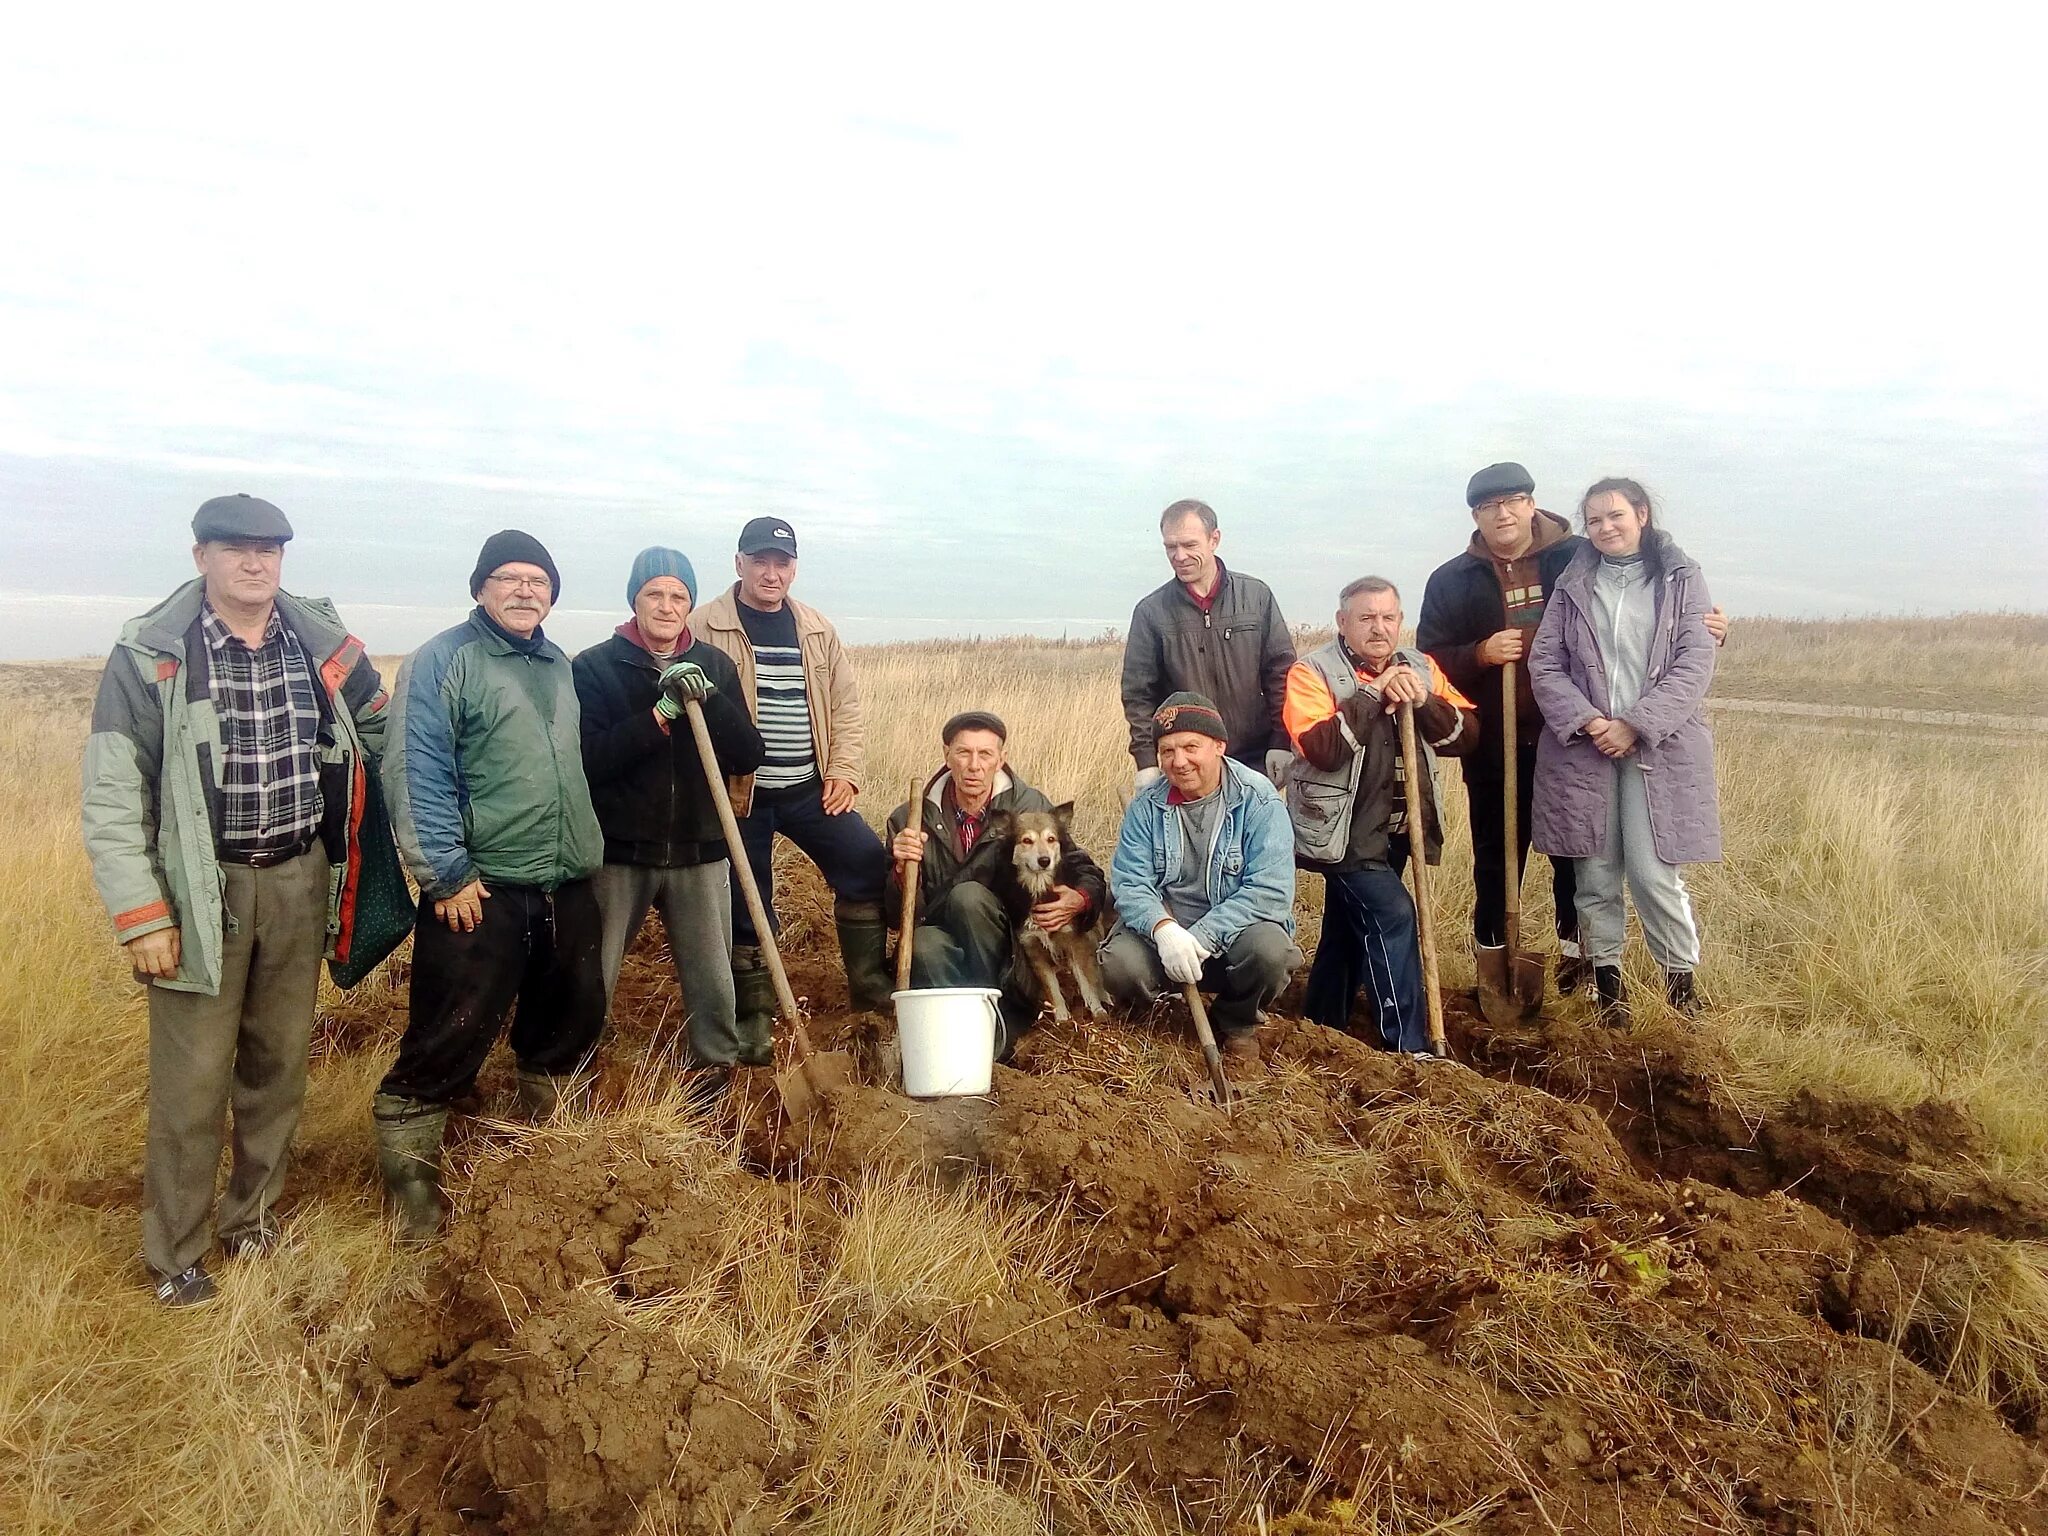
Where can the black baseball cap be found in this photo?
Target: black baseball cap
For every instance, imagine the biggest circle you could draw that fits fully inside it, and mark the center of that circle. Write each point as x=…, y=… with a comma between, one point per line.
x=240, y=516
x=764, y=534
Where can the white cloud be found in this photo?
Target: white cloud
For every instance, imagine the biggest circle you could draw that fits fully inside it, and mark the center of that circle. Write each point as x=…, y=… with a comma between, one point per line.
x=855, y=265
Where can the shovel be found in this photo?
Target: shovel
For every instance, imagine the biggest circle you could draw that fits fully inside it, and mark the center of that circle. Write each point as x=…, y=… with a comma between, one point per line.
x=816, y=1072
x=1415, y=770
x=1207, y=1036
x=1514, y=993
x=907, y=922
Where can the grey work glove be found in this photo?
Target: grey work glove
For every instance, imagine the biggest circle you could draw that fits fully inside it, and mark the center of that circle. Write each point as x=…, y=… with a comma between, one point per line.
x=683, y=680
x=1146, y=776
x=1278, y=761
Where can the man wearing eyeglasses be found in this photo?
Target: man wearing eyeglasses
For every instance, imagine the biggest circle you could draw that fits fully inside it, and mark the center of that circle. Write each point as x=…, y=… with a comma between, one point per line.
x=484, y=773
x=1480, y=611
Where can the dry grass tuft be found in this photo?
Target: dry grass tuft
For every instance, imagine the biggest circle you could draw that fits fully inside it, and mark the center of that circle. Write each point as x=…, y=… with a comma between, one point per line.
x=1973, y=1309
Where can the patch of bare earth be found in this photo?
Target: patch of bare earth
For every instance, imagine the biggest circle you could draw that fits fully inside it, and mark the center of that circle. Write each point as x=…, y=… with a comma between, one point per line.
x=1573, y=1291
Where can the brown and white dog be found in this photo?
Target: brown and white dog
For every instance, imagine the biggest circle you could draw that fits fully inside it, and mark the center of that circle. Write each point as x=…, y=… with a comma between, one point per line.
x=1035, y=842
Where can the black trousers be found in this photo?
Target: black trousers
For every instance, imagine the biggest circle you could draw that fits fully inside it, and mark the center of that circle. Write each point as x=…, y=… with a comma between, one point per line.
x=538, y=955
x=1489, y=851
x=844, y=847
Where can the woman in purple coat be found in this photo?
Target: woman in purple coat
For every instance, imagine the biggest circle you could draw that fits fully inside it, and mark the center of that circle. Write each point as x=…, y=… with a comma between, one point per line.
x=1625, y=769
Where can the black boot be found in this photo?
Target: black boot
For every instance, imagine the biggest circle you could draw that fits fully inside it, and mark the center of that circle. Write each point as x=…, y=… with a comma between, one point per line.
x=1681, y=992
x=1612, y=995
x=864, y=951
x=1572, y=970
x=753, y=989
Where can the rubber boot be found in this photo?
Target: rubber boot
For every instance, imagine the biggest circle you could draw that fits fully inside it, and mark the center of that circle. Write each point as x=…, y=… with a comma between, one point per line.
x=864, y=951
x=409, y=1135
x=543, y=1096
x=1612, y=995
x=1682, y=993
x=1572, y=971
x=753, y=990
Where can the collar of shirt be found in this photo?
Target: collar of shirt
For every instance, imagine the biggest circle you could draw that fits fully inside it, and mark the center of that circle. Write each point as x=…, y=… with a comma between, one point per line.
x=218, y=635
x=1206, y=601
x=967, y=825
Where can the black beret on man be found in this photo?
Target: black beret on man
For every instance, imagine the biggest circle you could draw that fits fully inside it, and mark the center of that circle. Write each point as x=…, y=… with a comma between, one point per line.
x=238, y=517
x=973, y=720
x=1497, y=480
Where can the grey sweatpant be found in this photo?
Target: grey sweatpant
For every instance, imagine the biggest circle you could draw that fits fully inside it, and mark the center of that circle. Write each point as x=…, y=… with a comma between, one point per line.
x=695, y=902
x=246, y=1046
x=1662, y=904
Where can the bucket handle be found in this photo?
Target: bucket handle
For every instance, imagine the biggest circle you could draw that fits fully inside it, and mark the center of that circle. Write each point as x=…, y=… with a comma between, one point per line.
x=994, y=1000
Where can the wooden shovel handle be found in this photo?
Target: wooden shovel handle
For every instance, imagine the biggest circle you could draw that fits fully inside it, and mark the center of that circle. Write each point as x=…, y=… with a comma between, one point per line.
x=1418, y=861
x=743, y=872
x=1207, y=1036
x=1511, y=806
x=910, y=875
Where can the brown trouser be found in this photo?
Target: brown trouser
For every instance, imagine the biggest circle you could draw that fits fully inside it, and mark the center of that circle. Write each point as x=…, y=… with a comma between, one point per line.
x=246, y=1045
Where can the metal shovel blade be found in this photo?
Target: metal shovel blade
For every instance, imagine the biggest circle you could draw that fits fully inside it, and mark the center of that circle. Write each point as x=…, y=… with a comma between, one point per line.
x=1526, y=981
x=804, y=1084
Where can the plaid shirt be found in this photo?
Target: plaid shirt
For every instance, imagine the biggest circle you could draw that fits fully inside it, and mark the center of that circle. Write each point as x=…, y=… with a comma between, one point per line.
x=269, y=722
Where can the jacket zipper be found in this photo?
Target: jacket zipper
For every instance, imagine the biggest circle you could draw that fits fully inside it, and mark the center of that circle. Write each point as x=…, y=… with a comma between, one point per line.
x=561, y=795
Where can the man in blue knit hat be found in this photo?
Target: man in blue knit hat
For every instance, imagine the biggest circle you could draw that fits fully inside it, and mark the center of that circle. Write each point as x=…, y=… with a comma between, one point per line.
x=663, y=845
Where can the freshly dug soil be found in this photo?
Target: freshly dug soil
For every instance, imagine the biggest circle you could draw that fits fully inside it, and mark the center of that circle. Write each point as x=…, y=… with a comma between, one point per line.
x=1372, y=1285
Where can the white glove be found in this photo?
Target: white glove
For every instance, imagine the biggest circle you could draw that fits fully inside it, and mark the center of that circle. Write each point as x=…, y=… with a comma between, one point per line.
x=1146, y=776
x=1180, y=952
x=1278, y=761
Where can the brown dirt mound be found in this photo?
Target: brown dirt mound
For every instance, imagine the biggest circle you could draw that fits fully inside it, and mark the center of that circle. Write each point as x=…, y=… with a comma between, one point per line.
x=1663, y=1089
x=1421, y=1288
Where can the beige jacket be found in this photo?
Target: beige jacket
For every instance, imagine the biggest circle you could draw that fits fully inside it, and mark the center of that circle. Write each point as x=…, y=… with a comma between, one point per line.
x=837, y=733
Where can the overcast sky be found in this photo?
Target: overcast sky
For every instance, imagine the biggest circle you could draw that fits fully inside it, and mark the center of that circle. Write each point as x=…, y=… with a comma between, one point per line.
x=969, y=294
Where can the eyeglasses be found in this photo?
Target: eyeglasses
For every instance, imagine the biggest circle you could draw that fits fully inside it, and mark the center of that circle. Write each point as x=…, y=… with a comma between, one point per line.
x=1513, y=503
x=520, y=583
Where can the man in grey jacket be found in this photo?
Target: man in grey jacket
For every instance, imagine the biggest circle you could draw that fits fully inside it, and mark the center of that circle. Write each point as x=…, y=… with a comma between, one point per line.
x=222, y=783
x=1212, y=631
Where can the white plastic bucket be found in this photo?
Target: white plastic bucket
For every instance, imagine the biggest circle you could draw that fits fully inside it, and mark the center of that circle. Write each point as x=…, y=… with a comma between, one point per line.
x=948, y=1039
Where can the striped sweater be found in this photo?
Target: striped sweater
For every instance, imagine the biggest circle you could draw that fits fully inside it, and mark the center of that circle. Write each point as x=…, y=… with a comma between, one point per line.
x=782, y=703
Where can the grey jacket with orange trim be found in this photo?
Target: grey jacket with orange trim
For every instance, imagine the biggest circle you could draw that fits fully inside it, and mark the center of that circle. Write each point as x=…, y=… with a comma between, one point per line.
x=150, y=785
x=838, y=733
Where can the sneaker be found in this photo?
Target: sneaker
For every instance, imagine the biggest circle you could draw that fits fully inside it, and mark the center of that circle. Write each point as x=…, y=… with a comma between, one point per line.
x=252, y=1242
x=186, y=1289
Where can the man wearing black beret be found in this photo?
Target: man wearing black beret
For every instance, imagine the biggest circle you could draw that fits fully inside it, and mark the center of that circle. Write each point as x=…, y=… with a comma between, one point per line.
x=222, y=797
x=1480, y=612
x=965, y=936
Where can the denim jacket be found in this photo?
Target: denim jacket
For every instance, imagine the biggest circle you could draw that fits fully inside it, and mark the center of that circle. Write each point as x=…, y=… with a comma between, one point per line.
x=1251, y=862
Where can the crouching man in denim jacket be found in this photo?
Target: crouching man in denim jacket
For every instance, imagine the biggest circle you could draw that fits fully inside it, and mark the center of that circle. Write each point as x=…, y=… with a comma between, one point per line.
x=1203, y=880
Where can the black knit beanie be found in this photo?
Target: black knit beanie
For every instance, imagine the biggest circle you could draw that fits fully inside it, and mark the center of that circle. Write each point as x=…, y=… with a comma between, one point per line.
x=508, y=546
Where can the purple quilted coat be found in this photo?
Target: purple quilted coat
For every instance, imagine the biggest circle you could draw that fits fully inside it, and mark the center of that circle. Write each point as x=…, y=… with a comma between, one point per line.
x=1573, y=780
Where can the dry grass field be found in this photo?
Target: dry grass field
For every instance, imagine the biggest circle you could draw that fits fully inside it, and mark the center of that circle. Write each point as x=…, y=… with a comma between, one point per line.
x=1582, y=1331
